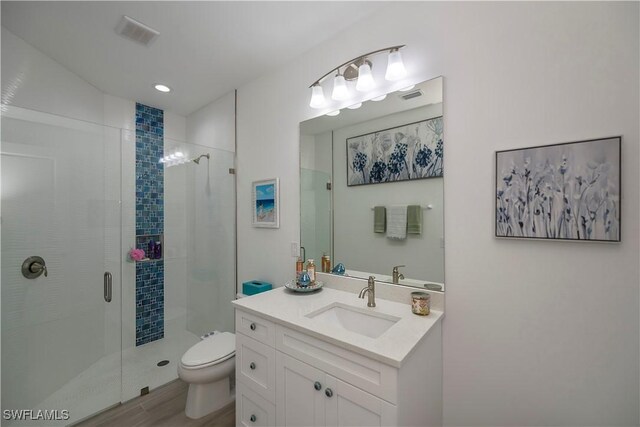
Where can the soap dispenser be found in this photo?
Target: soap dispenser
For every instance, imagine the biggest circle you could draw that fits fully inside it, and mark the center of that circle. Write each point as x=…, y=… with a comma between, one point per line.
x=311, y=270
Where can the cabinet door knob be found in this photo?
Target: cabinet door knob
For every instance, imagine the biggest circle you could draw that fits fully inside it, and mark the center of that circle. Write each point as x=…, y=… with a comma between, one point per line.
x=252, y=326
x=253, y=418
x=317, y=385
x=328, y=392
x=252, y=365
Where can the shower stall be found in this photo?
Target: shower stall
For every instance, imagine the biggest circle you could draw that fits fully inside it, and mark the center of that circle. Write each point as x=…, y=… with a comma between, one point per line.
x=69, y=317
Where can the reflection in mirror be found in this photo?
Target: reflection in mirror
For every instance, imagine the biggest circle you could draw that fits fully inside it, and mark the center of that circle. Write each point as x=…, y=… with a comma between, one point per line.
x=371, y=187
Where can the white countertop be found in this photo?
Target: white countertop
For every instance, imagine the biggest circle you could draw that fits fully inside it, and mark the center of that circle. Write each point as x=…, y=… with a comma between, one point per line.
x=289, y=308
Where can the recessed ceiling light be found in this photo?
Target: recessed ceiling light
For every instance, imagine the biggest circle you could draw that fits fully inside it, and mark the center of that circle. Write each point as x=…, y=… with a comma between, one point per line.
x=162, y=88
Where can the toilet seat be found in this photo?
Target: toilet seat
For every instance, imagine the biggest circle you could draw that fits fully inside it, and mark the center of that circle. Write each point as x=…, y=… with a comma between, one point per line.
x=210, y=351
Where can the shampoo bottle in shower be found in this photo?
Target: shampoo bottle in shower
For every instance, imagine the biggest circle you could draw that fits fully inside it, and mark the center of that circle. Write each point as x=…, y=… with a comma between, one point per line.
x=158, y=251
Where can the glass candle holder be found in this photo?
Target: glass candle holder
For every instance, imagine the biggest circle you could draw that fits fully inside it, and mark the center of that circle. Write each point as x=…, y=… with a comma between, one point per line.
x=420, y=303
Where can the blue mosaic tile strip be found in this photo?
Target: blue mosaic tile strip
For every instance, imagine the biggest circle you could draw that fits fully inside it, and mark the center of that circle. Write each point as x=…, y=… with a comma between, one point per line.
x=149, y=220
x=149, y=301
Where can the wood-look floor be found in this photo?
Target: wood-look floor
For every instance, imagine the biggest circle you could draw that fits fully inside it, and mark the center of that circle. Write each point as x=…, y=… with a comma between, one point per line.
x=163, y=407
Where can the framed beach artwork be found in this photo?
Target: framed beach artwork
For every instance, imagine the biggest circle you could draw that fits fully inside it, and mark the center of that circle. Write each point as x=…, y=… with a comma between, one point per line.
x=568, y=191
x=266, y=203
x=408, y=152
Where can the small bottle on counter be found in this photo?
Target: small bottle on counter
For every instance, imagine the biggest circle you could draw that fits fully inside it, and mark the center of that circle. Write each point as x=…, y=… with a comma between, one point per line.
x=326, y=263
x=299, y=267
x=311, y=270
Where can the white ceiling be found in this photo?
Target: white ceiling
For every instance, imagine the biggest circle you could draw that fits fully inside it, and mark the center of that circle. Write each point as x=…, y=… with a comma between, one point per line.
x=205, y=49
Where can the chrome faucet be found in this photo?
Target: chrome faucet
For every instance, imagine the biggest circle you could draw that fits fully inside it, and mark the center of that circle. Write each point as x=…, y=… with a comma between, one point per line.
x=371, y=290
x=397, y=276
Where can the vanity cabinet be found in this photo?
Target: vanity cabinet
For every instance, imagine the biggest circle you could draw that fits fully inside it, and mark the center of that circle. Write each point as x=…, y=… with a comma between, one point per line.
x=286, y=377
x=307, y=396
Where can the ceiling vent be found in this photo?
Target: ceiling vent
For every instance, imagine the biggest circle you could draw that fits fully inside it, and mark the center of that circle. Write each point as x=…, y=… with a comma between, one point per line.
x=136, y=31
x=410, y=95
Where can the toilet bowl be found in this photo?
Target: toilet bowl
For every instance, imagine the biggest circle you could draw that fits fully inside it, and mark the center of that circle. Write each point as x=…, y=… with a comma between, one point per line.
x=207, y=368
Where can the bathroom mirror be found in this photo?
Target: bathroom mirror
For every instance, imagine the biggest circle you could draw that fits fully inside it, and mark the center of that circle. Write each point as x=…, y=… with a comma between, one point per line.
x=385, y=154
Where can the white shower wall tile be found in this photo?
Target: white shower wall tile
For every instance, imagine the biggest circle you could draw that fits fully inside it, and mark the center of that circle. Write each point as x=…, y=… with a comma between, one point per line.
x=211, y=256
x=175, y=291
x=175, y=210
x=175, y=126
x=128, y=197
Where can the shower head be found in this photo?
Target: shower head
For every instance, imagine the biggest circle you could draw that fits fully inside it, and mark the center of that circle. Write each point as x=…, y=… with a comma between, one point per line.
x=197, y=159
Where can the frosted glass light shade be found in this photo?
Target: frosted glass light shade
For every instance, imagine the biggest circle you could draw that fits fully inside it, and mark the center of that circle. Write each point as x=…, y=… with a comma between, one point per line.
x=340, y=91
x=317, y=97
x=379, y=98
x=355, y=106
x=365, y=78
x=333, y=113
x=395, y=67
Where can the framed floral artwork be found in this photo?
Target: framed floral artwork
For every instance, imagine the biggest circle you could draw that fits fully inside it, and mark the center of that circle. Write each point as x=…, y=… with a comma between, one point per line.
x=266, y=203
x=407, y=152
x=568, y=191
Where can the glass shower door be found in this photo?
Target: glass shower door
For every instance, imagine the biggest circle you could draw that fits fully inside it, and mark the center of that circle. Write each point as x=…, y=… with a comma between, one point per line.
x=61, y=317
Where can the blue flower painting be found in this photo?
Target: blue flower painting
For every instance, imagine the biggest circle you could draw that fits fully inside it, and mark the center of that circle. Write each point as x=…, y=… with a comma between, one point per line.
x=412, y=151
x=565, y=191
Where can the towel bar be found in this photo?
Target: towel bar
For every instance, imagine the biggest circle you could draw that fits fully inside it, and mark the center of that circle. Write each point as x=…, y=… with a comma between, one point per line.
x=428, y=207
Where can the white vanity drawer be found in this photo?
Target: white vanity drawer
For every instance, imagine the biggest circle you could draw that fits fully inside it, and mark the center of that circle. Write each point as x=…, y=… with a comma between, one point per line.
x=252, y=409
x=256, y=366
x=256, y=327
x=375, y=377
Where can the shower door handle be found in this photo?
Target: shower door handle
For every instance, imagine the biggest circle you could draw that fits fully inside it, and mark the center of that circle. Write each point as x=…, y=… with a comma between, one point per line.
x=107, y=286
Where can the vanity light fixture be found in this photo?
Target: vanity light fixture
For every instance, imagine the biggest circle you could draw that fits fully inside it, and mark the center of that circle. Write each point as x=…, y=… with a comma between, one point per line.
x=365, y=78
x=379, y=98
x=355, y=106
x=340, y=91
x=358, y=69
x=406, y=89
x=162, y=88
x=317, y=96
x=395, y=66
x=333, y=113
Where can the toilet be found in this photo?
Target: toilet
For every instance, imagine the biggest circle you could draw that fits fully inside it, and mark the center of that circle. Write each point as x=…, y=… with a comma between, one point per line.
x=207, y=367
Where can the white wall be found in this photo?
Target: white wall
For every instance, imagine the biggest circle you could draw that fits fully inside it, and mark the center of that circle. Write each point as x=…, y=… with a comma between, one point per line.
x=536, y=333
x=32, y=80
x=422, y=254
x=214, y=124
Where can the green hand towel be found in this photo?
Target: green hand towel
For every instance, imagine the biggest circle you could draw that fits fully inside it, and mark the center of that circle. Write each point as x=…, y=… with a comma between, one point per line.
x=379, y=219
x=414, y=219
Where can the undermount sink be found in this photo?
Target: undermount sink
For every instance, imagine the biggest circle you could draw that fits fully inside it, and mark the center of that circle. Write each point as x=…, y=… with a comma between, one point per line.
x=353, y=319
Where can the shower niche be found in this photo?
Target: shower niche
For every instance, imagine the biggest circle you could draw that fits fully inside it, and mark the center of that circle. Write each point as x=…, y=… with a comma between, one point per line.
x=152, y=245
